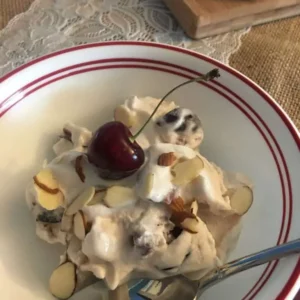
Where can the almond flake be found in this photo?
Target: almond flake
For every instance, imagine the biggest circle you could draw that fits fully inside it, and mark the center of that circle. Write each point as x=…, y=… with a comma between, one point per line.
x=46, y=181
x=66, y=223
x=62, y=282
x=184, y=172
x=49, y=201
x=194, y=207
x=79, y=168
x=47, y=191
x=119, y=196
x=190, y=225
x=83, y=199
x=241, y=200
x=186, y=220
x=149, y=181
x=98, y=197
x=45, y=187
x=80, y=225
x=166, y=159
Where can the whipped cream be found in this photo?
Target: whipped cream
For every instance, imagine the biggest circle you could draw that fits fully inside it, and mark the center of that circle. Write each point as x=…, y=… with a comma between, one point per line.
x=138, y=239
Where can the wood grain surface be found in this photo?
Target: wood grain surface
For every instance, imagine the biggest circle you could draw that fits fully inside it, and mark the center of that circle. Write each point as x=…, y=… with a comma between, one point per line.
x=201, y=18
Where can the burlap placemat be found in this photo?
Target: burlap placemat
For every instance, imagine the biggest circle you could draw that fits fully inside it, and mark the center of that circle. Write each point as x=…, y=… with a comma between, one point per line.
x=11, y=8
x=269, y=55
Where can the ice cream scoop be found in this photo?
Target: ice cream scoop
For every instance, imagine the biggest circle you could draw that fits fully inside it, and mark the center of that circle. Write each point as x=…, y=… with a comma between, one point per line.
x=179, y=214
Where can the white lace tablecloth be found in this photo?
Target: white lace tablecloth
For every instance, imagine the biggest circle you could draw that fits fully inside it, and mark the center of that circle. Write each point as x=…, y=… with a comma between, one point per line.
x=51, y=25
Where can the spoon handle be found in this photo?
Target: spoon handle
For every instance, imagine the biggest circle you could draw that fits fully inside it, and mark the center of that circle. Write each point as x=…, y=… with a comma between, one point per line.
x=246, y=263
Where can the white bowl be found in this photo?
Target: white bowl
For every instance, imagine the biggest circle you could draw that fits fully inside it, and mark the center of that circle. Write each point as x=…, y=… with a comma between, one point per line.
x=245, y=130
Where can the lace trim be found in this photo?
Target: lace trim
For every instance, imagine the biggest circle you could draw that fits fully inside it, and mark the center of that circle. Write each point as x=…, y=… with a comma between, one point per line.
x=50, y=25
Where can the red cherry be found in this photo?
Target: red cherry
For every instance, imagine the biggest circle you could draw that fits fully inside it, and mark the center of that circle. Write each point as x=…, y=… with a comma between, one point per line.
x=114, y=152
x=113, y=149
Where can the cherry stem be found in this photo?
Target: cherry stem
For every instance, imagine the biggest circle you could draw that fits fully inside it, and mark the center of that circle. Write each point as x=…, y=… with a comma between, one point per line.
x=205, y=77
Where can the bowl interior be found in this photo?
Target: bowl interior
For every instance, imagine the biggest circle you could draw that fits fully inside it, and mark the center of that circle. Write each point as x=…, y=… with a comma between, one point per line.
x=235, y=139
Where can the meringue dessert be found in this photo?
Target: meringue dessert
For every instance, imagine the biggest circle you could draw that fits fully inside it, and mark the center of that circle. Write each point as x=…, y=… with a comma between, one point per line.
x=178, y=214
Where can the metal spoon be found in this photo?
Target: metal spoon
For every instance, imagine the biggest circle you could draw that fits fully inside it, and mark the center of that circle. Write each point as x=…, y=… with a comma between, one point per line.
x=195, y=289
x=245, y=263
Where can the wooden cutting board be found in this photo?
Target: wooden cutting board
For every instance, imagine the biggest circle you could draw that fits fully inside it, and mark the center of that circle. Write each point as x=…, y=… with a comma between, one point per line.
x=201, y=18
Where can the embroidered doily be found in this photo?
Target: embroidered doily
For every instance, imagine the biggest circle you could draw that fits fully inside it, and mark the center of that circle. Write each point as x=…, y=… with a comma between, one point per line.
x=51, y=25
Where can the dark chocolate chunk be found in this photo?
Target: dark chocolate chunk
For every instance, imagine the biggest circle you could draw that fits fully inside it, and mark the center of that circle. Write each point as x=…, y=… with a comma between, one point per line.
x=181, y=128
x=52, y=216
x=171, y=116
x=143, y=248
x=188, y=117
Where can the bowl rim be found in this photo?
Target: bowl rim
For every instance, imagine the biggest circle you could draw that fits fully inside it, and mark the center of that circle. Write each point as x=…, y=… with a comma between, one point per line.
x=292, y=281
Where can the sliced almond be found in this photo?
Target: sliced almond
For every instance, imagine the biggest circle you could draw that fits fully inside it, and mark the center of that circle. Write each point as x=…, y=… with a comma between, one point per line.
x=177, y=204
x=46, y=181
x=123, y=115
x=241, y=200
x=149, y=181
x=190, y=224
x=184, y=172
x=62, y=282
x=98, y=197
x=166, y=159
x=79, y=168
x=194, y=207
x=186, y=220
x=47, y=190
x=119, y=196
x=48, y=201
x=83, y=199
x=66, y=223
x=80, y=225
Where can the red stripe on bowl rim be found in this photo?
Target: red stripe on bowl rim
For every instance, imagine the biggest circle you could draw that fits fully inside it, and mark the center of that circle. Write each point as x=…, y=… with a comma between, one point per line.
x=230, y=70
x=264, y=95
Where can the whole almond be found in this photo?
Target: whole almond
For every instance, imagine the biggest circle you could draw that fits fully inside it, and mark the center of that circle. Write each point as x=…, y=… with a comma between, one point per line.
x=166, y=159
x=177, y=204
